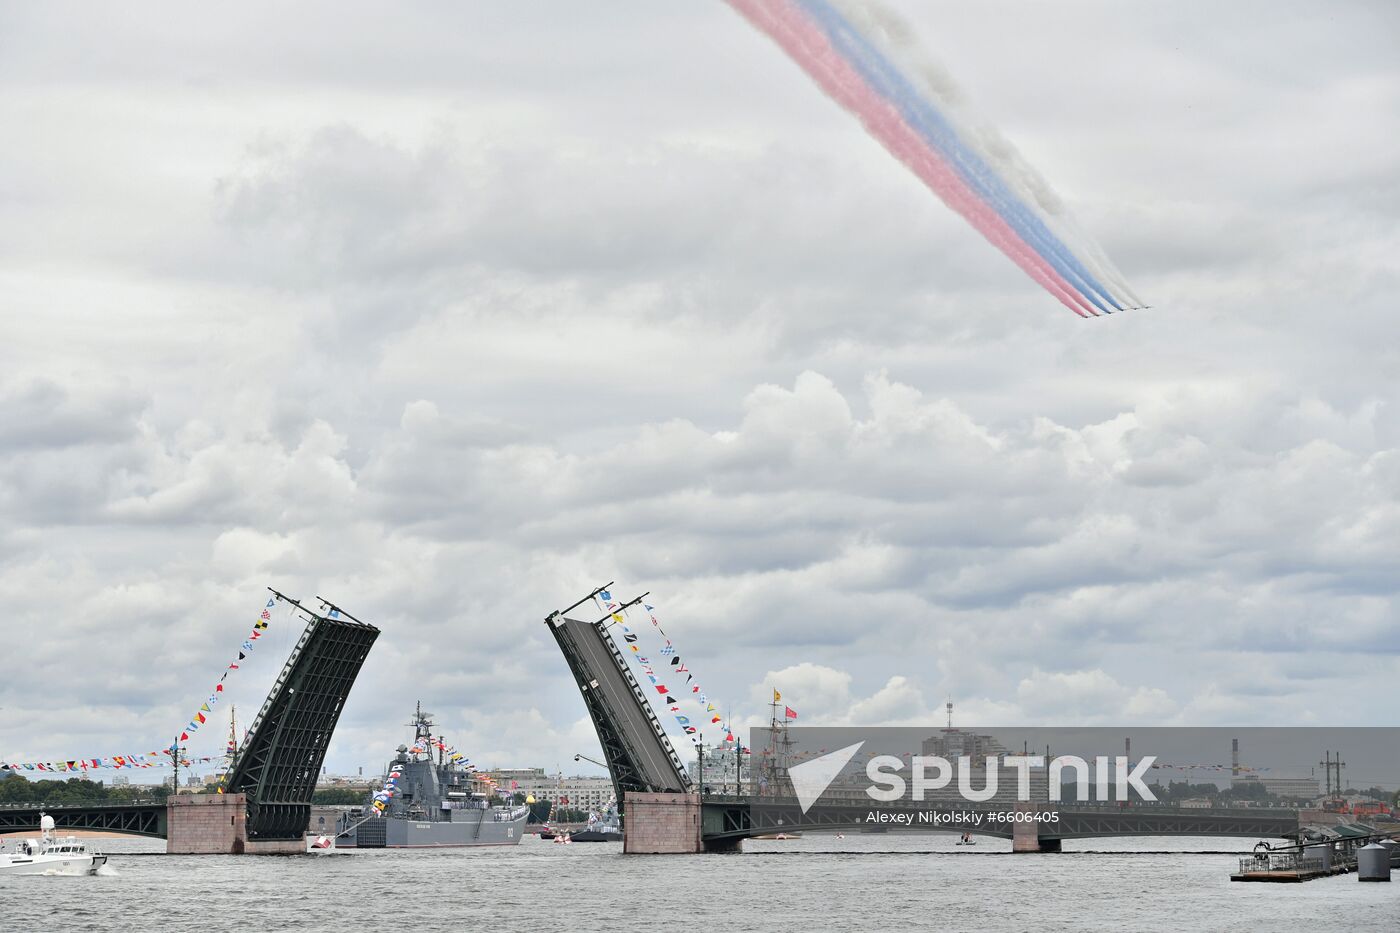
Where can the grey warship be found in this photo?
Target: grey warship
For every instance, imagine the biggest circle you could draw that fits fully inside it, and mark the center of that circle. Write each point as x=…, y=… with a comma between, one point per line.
x=431, y=803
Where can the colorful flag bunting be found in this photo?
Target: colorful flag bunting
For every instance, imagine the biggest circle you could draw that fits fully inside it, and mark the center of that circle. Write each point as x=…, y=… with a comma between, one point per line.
x=674, y=661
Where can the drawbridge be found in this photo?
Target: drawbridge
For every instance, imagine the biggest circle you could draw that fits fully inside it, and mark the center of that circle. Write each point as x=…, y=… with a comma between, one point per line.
x=276, y=768
x=639, y=756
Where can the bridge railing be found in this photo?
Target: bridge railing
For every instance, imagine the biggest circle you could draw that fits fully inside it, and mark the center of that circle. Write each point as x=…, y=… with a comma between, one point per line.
x=1284, y=861
x=80, y=804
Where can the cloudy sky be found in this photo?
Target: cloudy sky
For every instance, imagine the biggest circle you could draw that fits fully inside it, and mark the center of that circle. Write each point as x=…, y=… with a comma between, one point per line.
x=452, y=312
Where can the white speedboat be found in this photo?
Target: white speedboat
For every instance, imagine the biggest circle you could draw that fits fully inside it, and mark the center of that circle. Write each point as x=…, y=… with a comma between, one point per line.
x=50, y=855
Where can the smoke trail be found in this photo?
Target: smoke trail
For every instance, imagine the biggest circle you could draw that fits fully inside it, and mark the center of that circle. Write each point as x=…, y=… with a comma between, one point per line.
x=808, y=45
x=896, y=39
x=931, y=123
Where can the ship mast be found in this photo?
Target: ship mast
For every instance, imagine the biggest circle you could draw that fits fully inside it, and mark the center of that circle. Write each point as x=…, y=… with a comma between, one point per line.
x=423, y=730
x=232, y=751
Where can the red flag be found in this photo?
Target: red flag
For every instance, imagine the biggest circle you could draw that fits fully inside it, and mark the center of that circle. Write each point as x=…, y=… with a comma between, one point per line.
x=789, y=712
x=184, y=736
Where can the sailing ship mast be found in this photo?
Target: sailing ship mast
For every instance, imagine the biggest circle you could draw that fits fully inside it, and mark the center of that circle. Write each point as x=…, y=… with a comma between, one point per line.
x=779, y=742
x=232, y=751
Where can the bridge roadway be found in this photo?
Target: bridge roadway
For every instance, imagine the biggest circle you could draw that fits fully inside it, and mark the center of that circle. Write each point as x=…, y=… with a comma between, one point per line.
x=639, y=756
x=726, y=819
x=145, y=817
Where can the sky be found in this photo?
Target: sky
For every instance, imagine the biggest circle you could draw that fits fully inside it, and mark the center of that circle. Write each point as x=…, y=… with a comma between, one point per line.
x=452, y=312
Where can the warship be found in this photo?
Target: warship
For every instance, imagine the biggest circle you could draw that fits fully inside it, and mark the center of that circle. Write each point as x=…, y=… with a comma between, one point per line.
x=602, y=827
x=429, y=801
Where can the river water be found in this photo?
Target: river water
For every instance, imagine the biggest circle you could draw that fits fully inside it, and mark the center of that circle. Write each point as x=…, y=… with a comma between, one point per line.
x=816, y=883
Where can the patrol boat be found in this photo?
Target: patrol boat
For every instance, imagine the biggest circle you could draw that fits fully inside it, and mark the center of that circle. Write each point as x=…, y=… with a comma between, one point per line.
x=50, y=854
x=602, y=827
x=431, y=802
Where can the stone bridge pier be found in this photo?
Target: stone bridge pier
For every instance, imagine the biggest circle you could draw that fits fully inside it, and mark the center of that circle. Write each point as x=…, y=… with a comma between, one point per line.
x=217, y=824
x=668, y=824
x=661, y=824
x=1026, y=832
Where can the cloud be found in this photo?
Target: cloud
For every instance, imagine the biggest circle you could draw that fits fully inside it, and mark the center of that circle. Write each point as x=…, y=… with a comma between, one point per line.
x=453, y=324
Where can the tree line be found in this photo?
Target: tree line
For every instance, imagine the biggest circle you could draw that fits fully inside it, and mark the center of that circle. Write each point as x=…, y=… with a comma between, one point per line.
x=15, y=789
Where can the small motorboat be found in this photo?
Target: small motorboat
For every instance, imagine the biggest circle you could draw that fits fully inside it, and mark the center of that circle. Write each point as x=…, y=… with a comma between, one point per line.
x=50, y=854
x=966, y=840
x=320, y=843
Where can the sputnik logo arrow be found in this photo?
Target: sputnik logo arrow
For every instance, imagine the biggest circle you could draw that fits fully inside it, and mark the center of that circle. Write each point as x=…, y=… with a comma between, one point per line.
x=811, y=778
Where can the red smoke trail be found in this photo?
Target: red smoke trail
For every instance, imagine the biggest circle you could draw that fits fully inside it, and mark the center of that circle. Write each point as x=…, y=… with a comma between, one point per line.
x=807, y=45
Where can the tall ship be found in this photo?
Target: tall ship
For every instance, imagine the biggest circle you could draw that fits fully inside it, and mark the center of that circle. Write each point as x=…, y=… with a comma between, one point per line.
x=431, y=796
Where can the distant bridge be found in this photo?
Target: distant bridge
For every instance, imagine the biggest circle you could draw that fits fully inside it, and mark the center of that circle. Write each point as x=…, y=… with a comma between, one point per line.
x=274, y=776
x=662, y=808
x=134, y=817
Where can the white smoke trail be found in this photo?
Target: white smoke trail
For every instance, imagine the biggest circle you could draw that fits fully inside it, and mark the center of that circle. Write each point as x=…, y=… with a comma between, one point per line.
x=897, y=40
x=841, y=82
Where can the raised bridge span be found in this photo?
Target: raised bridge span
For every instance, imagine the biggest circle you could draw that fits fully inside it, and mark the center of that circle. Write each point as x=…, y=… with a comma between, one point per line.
x=664, y=812
x=266, y=805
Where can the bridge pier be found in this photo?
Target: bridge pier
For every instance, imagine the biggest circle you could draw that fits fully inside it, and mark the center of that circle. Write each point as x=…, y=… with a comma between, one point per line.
x=217, y=824
x=1025, y=834
x=661, y=824
x=725, y=846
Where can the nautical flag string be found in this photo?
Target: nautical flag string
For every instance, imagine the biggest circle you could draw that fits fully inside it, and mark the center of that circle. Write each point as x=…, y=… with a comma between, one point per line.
x=663, y=692
x=113, y=762
x=154, y=759
x=387, y=792
x=206, y=709
x=678, y=666
x=710, y=714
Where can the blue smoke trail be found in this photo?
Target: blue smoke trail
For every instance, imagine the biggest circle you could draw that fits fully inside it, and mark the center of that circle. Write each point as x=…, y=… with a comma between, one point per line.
x=934, y=127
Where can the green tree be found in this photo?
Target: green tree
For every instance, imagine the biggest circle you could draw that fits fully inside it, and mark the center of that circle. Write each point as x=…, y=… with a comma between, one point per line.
x=15, y=789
